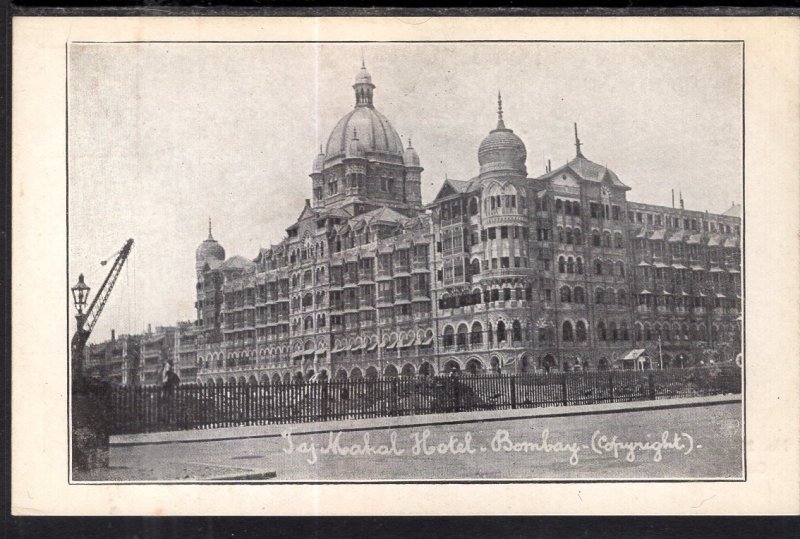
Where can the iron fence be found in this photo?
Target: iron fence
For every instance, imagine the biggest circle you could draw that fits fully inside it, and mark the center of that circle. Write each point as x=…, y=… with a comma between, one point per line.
x=190, y=406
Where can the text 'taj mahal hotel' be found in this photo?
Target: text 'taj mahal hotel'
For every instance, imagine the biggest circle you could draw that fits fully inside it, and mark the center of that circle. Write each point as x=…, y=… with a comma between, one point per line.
x=500, y=272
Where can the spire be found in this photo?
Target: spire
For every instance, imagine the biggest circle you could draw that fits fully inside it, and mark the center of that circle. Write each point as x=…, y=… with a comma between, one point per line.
x=578, y=142
x=500, y=124
x=363, y=86
x=210, y=237
x=409, y=142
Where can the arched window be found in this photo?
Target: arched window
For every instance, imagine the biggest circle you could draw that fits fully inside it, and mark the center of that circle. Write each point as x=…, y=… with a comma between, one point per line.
x=473, y=206
x=610, y=296
x=307, y=278
x=308, y=323
x=606, y=239
x=623, y=331
x=566, y=294
x=598, y=267
x=578, y=236
x=620, y=268
x=637, y=332
x=559, y=206
x=622, y=297
x=475, y=266
x=448, y=336
x=576, y=208
x=562, y=265
x=476, y=335
x=569, y=236
x=618, y=240
x=461, y=335
x=612, y=330
x=308, y=300
x=648, y=333
x=578, y=296
x=566, y=331
x=579, y=266
x=501, y=331
x=601, y=330
x=595, y=238
x=580, y=331
x=560, y=233
x=570, y=265
x=599, y=296
x=516, y=331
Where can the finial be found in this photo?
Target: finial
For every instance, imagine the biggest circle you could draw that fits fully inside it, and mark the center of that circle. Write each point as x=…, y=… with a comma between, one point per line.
x=500, y=124
x=209, y=229
x=363, y=65
x=409, y=141
x=320, y=149
x=355, y=133
x=578, y=142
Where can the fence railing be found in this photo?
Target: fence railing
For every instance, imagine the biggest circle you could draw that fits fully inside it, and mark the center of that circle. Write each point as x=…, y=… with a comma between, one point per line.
x=151, y=409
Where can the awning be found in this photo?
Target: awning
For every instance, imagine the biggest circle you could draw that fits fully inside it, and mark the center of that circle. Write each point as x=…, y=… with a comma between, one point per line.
x=701, y=294
x=372, y=347
x=356, y=346
x=409, y=343
x=684, y=293
x=660, y=265
x=714, y=240
x=658, y=234
x=733, y=271
x=666, y=293
x=698, y=268
x=679, y=267
x=297, y=355
x=634, y=354
x=427, y=342
x=642, y=233
x=715, y=269
x=645, y=293
x=721, y=295
x=694, y=239
x=643, y=264
x=391, y=345
x=731, y=242
x=676, y=237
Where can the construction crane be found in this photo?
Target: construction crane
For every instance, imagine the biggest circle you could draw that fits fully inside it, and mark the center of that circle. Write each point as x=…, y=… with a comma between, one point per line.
x=87, y=320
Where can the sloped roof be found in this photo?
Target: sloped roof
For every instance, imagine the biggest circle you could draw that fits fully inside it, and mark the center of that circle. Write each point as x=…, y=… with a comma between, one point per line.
x=237, y=263
x=450, y=187
x=589, y=171
x=734, y=211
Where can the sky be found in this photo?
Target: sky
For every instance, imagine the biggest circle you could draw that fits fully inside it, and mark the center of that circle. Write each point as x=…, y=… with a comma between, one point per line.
x=164, y=136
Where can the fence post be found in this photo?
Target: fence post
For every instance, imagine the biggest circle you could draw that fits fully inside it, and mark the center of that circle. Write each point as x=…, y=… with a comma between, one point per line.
x=652, y=383
x=513, y=391
x=564, y=388
x=324, y=398
x=611, y=385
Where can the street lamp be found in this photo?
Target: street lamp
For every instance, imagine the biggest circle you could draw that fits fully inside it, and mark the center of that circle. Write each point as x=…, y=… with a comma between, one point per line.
x=80, y=294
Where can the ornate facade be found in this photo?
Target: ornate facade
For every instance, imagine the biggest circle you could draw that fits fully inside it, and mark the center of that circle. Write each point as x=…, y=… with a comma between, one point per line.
x=500, y=272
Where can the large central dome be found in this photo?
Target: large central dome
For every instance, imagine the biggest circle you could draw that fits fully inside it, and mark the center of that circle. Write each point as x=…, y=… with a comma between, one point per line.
x=502, y=151
x=372, y=129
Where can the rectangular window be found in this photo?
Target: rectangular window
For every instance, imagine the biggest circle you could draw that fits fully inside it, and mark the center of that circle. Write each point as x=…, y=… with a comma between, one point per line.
x=504, y=262
x=639, y=217
x=494, y=263
x=615, y=213
x=483, y=235
x=650, y=218
x=492, y=233
x=594, y=210
x=658, y=220
x=517, y=262
x=504, y=232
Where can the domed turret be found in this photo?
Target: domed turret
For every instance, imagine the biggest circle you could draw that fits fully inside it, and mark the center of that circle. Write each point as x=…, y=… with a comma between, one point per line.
x=319, y=162
x=502, y=150
x=355, y=150
x=210, y=249
x=410, y=157
x=363, y=87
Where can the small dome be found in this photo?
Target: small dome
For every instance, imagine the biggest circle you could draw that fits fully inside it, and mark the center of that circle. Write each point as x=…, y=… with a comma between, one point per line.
x=319, y=162
x=209, y=249
x=363, y=76
x=410, y=156
x=355, y=150
x=502, y=150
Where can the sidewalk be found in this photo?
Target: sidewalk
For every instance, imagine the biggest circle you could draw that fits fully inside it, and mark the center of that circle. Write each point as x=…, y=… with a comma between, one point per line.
x=273, y=431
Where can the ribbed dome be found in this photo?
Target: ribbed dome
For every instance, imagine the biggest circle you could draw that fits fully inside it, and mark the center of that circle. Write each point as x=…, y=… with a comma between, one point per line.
x=375, y=133
x=502, y=150
x=410, y=156
x=355, y=150
x=209, y=249
x=319, y=162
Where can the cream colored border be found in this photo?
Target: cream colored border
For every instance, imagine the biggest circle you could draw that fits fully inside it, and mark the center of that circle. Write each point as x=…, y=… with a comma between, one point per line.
x=39, y=436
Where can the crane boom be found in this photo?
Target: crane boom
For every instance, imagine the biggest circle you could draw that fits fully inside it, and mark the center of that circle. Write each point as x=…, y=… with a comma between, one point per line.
x=100, y=299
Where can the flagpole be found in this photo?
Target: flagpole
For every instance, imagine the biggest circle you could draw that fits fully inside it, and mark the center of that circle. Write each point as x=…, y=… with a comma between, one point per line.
x=660, y=361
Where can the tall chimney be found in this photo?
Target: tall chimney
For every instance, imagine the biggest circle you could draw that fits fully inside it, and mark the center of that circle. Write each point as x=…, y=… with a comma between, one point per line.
x=113, y=335
x=673, y=199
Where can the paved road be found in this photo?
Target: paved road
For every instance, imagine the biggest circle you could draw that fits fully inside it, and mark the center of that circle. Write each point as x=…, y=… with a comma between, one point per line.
x=708, y=445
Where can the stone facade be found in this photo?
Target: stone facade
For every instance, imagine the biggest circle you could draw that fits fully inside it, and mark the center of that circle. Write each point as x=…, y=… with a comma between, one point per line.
x=500, y=272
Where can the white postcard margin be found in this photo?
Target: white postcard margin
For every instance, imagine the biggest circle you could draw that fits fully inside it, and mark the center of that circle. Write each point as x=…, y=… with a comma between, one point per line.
x=40, y=289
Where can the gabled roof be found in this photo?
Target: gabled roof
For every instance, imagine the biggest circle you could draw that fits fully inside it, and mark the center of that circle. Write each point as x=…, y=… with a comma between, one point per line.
x=383, y=215
x=588, y=171
x=734, y=211
x=236, y=263
x=452, y=187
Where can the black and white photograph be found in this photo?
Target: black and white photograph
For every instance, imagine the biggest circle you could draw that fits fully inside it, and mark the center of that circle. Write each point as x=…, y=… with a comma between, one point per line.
x=405, y=262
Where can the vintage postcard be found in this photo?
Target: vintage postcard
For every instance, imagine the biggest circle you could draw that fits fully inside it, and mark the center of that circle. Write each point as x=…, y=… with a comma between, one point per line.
x=444, y=258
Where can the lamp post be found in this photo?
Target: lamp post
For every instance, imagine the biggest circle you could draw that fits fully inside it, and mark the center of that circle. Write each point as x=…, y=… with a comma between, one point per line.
x=80, y=295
